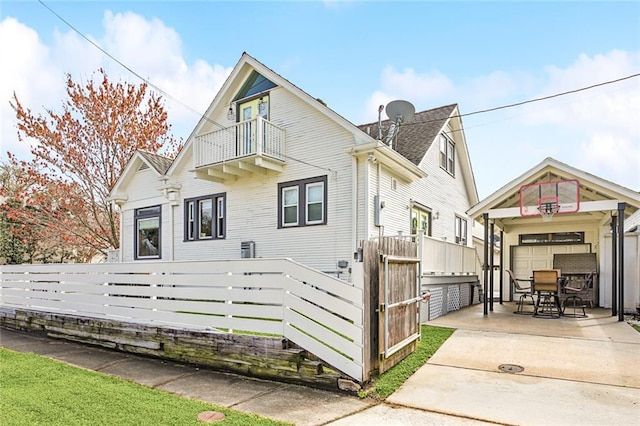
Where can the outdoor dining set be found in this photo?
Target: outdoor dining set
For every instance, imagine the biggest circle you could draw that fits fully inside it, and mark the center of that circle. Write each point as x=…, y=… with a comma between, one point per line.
x=549, y=294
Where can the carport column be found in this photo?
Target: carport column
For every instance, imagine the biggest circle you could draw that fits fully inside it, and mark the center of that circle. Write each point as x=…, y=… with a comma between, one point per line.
x=491, y=251
x=621, y=207
x=501, y=267
x=614, y=266
x=485, y=218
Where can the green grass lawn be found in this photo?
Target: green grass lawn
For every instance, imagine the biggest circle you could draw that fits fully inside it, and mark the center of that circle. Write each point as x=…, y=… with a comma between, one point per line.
x=35, y=390
x=391, y=380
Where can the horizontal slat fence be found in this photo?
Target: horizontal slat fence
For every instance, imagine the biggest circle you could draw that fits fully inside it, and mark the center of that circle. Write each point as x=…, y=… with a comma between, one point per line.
x=316, y=311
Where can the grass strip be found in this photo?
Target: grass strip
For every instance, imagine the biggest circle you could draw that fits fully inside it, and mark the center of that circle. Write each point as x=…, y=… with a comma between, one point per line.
x=35, y=390
x=388, y=382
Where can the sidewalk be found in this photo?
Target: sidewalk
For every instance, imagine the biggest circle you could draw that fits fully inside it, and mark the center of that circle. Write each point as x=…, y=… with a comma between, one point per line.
x=295, y=404
x=574, y=372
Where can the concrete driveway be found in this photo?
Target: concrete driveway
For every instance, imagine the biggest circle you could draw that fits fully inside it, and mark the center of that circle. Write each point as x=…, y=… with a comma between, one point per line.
x=556, y=371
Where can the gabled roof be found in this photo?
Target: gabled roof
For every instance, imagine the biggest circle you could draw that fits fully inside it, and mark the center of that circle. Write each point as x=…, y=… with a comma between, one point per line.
x=159, y=162
x=592, y=188
x=225, y=97
x=416, y=136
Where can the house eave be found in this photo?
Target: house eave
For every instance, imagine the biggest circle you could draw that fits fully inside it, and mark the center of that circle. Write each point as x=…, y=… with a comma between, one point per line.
x=395, y=162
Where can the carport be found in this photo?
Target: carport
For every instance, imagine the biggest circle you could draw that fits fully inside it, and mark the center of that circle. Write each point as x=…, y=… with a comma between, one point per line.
x=555, y=208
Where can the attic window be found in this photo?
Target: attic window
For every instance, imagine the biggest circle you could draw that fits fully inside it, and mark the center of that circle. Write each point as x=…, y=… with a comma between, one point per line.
x=447, y=154
x=255, y=84
x=143, y=166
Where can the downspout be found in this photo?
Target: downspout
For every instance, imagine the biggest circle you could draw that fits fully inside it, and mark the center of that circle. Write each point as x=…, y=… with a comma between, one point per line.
x=354, y=202
x=121, y=249
x=171, y=232
x=367, y=201
x=378, y=170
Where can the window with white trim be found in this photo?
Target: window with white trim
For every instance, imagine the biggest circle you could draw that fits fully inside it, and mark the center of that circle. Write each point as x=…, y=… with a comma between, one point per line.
x=147, y=236
x=302, y=202
x=447, y=154
x=461, y=230
x=205, y=218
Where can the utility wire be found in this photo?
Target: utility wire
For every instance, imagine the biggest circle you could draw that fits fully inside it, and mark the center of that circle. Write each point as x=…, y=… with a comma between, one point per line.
x=97, y=46
x=202, y=116
x=543, y=98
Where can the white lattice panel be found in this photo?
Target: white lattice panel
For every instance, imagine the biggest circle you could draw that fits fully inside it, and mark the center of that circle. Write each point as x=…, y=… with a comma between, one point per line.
x=453, y=298
x=436, y=303
x=465, y=294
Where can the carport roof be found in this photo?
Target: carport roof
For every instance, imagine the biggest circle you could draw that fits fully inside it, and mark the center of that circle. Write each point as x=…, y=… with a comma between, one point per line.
x=505, y=202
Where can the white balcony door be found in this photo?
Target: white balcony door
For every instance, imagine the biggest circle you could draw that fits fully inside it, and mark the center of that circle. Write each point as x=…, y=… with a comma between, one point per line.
x=247, y=130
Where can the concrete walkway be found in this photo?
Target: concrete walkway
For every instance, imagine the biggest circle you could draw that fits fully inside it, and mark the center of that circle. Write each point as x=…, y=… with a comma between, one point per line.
x=574, y=371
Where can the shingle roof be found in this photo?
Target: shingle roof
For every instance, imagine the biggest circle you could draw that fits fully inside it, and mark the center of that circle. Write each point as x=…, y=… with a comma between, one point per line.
x=158, y=162
x=415, y=136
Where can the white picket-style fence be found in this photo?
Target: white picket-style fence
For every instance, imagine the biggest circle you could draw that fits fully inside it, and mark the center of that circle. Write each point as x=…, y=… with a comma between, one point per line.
x=316, y=311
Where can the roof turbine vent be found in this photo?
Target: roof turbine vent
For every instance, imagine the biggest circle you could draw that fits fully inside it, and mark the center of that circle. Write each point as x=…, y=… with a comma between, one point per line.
x=398, y=112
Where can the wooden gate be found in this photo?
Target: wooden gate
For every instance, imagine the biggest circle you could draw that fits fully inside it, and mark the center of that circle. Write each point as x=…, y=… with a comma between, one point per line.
x=392, y=279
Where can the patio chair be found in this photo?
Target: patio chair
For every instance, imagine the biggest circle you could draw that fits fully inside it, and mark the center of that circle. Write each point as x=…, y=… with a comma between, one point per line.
x=573, y=300
x=521, y=287
x=545, y=284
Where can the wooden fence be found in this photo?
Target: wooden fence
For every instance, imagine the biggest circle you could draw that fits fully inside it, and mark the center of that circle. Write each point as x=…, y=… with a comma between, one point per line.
x=269, y=296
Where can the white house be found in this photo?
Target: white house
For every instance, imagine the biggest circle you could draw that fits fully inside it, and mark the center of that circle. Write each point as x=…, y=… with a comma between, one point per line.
x=270, y=171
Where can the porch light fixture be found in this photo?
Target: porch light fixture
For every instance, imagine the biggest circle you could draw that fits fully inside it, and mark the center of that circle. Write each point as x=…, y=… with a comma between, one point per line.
x=231, y=115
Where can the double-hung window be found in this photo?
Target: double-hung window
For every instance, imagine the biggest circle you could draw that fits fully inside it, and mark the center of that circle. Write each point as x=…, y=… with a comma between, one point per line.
x=302, y=202
x=205, y=218
x=461, y=230
x=447, y=154
x=147, y=236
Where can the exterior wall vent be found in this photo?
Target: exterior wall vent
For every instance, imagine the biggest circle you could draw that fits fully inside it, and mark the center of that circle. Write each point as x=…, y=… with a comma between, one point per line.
x=247, y=249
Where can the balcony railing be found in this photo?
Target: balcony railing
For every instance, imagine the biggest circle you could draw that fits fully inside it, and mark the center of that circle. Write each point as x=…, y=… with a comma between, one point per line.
x=251, y=142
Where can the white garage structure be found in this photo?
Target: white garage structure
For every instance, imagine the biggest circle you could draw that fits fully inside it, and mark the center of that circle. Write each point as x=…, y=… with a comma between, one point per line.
x=594, y=229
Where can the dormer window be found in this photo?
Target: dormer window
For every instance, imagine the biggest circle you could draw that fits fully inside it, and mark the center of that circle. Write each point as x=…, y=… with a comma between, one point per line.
x=447, y=154
x=253, y=98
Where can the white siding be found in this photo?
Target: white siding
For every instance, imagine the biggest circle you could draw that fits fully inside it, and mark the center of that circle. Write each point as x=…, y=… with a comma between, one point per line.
x=444, y=194
x=142, y=192
x=315, y=146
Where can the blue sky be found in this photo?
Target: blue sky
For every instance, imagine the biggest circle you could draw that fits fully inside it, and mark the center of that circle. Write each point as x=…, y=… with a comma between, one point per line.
x=358, y=55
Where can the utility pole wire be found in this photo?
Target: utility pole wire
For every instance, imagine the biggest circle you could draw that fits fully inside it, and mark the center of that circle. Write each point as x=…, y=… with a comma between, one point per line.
x=543, y=98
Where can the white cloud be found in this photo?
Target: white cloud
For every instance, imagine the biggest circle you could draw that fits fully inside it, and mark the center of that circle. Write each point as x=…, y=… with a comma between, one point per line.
x=415, y=87
x=154, y=51
x=28, y=71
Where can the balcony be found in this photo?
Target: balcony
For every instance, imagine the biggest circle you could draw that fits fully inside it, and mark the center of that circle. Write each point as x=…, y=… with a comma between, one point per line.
x=242, y=150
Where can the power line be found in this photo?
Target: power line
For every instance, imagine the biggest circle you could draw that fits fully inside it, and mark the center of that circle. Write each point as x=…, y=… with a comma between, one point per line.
x=97, y=46
x=203, y=116
x=543, y=98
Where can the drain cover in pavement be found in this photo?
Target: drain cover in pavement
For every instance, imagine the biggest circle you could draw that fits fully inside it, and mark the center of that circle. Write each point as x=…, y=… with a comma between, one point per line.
x=510, y=368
